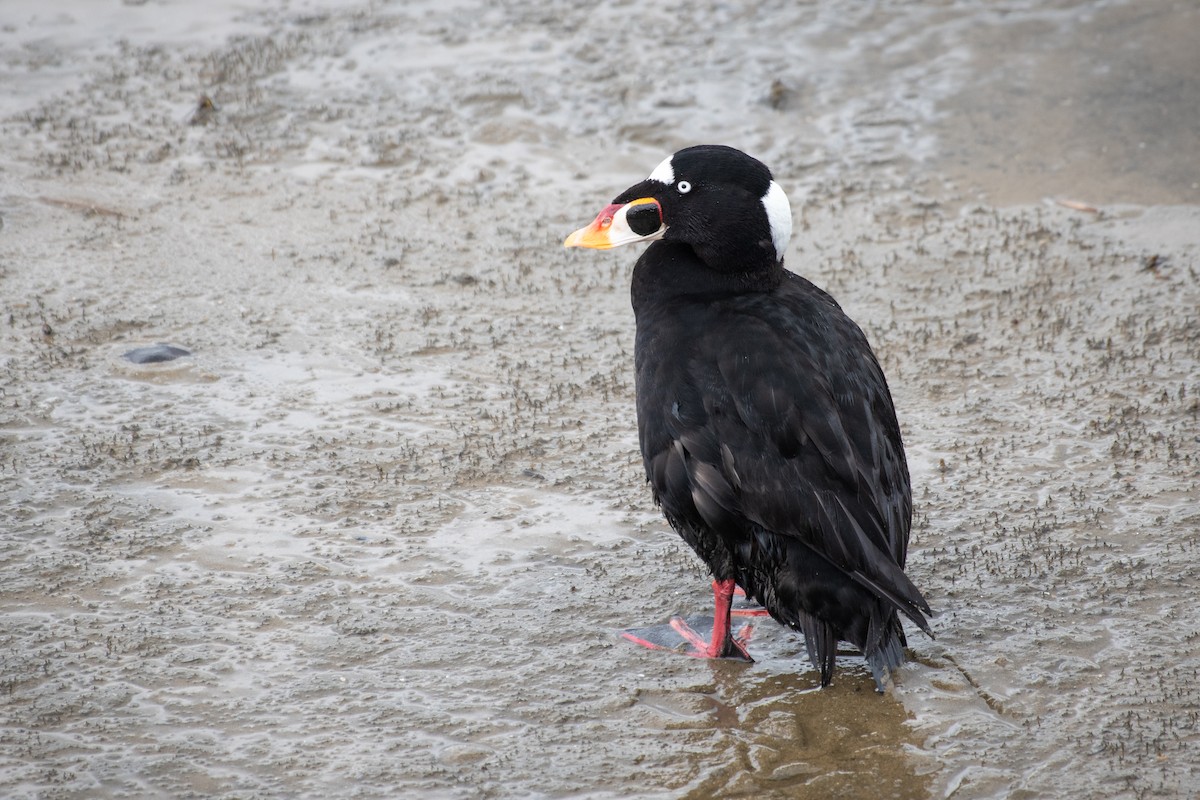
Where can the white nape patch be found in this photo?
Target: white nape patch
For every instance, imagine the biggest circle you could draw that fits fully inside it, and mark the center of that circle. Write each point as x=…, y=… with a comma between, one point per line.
x=664, y=172
x=779, y=216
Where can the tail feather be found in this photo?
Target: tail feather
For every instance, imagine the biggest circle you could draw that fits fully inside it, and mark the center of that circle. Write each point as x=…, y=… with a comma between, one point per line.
x=884, y=653
x=820, y=640
x=888, y=654
x=803, y=589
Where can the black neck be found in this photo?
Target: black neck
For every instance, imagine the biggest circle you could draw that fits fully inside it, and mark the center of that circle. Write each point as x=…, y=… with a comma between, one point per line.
x=670, y=269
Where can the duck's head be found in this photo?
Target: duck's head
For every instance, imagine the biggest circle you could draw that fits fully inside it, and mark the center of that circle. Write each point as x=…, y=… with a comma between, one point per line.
x=718, y=200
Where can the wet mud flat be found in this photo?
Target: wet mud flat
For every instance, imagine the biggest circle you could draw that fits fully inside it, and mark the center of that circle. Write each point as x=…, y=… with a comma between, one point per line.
x=374, y=535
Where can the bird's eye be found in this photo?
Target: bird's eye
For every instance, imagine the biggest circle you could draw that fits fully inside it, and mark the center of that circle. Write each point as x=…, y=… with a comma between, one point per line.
x=683, y=187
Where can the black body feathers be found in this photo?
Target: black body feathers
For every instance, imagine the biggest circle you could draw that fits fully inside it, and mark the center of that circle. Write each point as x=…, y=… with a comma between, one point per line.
x=768, y=432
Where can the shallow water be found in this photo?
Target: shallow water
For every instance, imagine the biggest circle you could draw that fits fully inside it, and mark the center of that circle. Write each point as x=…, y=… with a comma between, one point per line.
x=375, y=535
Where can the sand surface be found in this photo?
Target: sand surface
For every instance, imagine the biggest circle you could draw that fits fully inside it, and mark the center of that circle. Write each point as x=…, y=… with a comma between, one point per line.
x=374, y=537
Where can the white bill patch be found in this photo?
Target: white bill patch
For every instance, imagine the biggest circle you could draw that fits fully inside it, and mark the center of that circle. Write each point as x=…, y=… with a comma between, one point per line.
x=779, y=216
x=664, y=172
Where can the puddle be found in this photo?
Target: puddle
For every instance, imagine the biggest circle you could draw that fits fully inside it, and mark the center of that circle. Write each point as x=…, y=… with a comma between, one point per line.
x=381, y=528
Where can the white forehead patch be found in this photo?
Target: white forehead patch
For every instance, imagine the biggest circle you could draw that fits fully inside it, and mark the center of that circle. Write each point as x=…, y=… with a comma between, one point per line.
x=779, y=215
x=664, y=172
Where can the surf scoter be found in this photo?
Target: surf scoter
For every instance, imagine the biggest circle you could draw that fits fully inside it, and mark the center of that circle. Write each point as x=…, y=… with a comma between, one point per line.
x=767, y=429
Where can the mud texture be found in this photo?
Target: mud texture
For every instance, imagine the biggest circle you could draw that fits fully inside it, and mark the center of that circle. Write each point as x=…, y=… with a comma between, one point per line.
x=374, y=534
